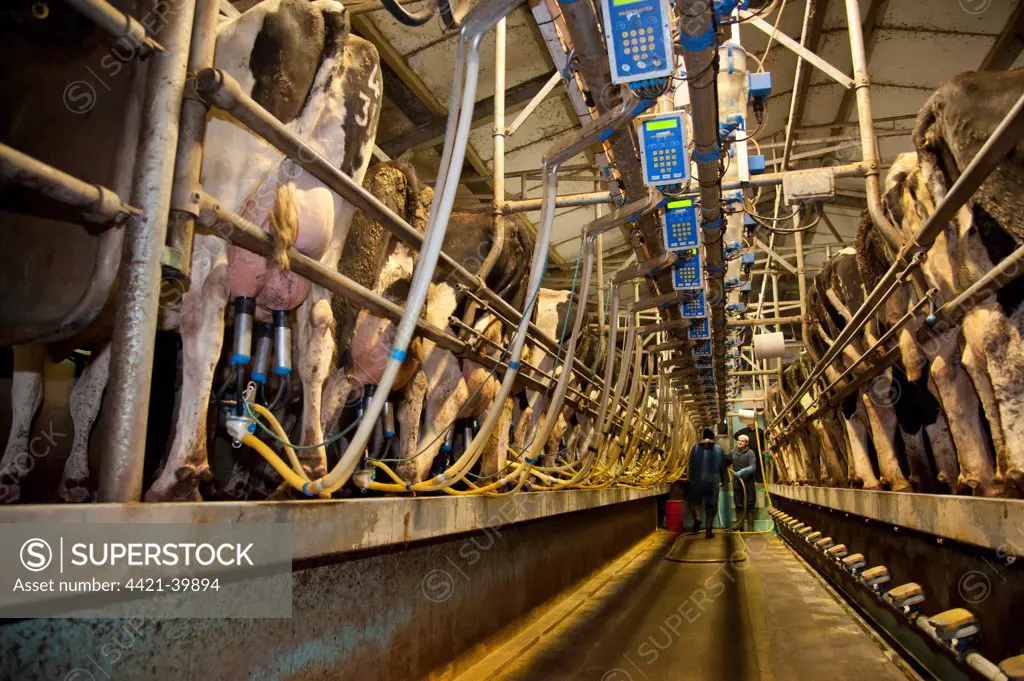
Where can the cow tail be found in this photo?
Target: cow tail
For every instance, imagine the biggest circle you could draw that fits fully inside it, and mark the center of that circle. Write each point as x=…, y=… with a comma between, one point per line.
x=284, y=224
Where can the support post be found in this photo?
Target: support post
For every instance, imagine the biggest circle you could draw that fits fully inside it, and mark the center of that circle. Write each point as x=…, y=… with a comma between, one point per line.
x=137, y=306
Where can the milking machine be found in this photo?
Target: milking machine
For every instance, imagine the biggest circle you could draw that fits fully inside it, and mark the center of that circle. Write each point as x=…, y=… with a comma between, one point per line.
x=638, y=97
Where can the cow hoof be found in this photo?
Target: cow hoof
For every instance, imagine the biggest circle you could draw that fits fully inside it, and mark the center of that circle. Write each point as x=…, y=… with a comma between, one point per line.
x=10, y=492
x=183, y=487
x=73, y=492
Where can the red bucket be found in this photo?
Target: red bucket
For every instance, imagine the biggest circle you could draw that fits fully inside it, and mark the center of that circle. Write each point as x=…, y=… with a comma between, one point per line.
x=674, y=514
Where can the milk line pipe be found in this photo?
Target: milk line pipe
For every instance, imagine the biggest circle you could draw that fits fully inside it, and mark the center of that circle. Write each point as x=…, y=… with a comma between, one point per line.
x=479, y=20
x=764, y=321
x=497, y=165
x=879, y=343
x=511, y=206
x=93, y=202
x=696, y=29
x=1005, y=137
x=1000, y=275
x=440, y=211
x=221, y=90
x=875, y=367
x=974, y=659
x=188, y=161
x=600, y=225
x=559, y=153
x=118, y=25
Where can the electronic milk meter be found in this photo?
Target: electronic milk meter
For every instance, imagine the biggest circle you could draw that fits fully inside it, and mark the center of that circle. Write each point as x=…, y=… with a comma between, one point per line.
x=688, y=271
x=639, y=39
x=702, y=348
x=695, y=307
x=679, y=225
x=700, y=329
x=663, y=149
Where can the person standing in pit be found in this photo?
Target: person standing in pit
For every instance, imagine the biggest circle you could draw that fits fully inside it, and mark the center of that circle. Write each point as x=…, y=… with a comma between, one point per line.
x=744, y=464
x=707, y=465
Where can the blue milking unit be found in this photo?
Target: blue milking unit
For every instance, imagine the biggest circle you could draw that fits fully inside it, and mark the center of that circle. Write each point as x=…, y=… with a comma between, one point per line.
x=700, y=329
x=702, y=348
x=688, y=271
x=706, y=375
x=703, y=363
x=695, y=307
x=639, y=37
x=681, y=225
x=663, y=151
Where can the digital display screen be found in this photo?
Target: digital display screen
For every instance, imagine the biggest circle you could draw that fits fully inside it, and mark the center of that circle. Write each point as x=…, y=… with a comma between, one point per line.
x=667, y=124
x=685, y=203
x=619, y=3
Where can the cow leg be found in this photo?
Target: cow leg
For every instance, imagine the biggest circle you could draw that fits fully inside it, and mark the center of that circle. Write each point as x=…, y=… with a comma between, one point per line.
x=941, y=439
x=337, y=390
x=26, y=399
x=976, y=468
x=833, y=466
x=883, y=426
x=85, y=401
x=446, y=394
x=554, y=443
x=1004, y=350
x=856, y=431
x=523, y=426
x=960, y=402
x=410, y=409
x=202, y=335
x=495, y=458
x=316, y=353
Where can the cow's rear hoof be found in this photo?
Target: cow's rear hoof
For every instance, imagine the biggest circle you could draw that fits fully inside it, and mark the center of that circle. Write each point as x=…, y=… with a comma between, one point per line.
x=73, y=492
x=183, y=487
x=10, y=492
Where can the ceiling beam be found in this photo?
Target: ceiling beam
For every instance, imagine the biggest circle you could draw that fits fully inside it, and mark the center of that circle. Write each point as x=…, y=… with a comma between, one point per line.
x=813, y=43
x=876, y=11
x=432, y=133
x=393, y=58
x=1008, y=45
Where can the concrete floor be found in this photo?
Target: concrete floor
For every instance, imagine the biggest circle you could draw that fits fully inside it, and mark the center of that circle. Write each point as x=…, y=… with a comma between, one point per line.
x=669, y=610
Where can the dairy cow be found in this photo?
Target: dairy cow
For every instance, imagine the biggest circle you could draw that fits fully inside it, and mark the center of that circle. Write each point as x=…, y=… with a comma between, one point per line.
x=300, y=61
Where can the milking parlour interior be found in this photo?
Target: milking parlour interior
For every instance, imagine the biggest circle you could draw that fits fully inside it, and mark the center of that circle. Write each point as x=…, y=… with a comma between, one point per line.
x=611, y=340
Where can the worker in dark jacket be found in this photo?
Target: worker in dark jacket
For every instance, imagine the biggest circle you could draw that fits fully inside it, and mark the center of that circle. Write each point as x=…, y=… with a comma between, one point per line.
x=744, y=465
x=707, y=466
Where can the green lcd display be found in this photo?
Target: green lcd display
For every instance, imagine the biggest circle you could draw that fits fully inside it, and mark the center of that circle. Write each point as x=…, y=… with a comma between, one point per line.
x=663, y=125
x=618, y=3
x=685, y=203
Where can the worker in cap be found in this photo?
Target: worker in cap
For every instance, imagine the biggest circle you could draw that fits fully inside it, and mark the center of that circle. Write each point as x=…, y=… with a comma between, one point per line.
x=743, y=460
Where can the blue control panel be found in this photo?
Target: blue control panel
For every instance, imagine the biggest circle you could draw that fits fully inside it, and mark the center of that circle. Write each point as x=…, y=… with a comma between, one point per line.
x=688, y=271
x=639, y=39
x=700, y=329
x=706, y=375
x=702, y=363
x=702, y=348
x=680, y=225
x=694, y=308
x=663, y=151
